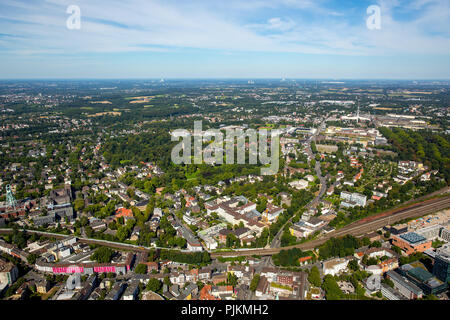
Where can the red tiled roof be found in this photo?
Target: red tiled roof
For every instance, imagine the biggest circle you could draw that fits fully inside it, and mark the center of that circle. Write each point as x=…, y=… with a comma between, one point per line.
x=303, y=259
x=205, y=293
x=122, y=212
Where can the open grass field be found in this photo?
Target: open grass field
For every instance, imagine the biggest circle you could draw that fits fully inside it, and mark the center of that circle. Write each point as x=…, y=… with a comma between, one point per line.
x=101, y=102
x=99, y=114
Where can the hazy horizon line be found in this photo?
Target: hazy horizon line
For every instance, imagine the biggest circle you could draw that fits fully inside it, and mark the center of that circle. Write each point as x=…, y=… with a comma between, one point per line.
x=227, y=78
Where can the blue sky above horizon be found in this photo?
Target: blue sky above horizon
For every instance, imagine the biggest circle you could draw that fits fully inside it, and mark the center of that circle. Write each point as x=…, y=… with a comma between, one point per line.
x=225, y=39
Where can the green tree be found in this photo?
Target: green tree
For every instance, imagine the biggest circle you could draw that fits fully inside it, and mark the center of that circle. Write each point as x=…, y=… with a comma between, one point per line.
x=331, y=288
x=375, y=244
x=255, y=282
x=353, y=265
x=78, y=204
x=232, y=279
x=206, y=258
x=314, y=277
x=166, y=281
x=430, y=297
x=261, y=206
x=232, y=240
x=154, y=285
x=32, y=258
x=141, y=269
x=102, y=255
x=388, y=281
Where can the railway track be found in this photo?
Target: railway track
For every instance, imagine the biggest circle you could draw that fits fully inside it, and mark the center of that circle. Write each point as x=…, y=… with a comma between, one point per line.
x=356, y=228
x=111, y=244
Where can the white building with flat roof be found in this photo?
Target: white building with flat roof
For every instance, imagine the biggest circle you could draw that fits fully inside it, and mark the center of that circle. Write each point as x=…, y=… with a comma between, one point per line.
x=335, y=266
x=299, y=184
x=353, y=199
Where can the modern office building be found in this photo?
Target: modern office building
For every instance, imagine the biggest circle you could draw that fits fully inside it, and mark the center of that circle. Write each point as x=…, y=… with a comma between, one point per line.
x=430, y=232
x=397, y=229
x=411, y=242
x=441, y=268
x=391, y=293
x=445, y=234
x=404, y=286
x=418, y=274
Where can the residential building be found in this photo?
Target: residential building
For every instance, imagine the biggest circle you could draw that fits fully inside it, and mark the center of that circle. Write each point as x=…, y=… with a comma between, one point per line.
x=390, y=261
x=236, y=210
x=262, y=288
x=125, y=213
x=132, y=291
x=239, y=233
x=301, y=229
x=8, y=272
x=271, y=213
x=43, y=286
x=116, y=291
x=350, y=200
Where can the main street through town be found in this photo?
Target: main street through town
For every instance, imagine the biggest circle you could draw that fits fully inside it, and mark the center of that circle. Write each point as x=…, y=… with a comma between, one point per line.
x=276, y=242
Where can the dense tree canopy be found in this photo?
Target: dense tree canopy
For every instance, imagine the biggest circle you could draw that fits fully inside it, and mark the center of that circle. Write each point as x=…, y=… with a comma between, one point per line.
x=339, y=247
x=102, y=255
x=430, y=148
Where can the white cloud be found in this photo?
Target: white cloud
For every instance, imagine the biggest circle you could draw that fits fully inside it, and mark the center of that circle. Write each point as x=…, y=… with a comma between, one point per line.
x=281, y=24
x=168, y=25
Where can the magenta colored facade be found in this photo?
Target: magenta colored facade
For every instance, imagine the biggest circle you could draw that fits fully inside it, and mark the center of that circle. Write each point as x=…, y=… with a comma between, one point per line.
x=68, y=269
x=105, y=269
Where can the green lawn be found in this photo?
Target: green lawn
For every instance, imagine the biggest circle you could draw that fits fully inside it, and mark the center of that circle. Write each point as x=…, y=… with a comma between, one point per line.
x=192, y=176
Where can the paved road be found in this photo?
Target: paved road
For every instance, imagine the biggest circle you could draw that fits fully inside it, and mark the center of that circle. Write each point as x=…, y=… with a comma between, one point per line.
x=276, y=242
x=323, y=180
x=111, y=244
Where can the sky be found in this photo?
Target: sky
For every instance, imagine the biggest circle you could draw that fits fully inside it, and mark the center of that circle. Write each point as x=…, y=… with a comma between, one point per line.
x=225, y=39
